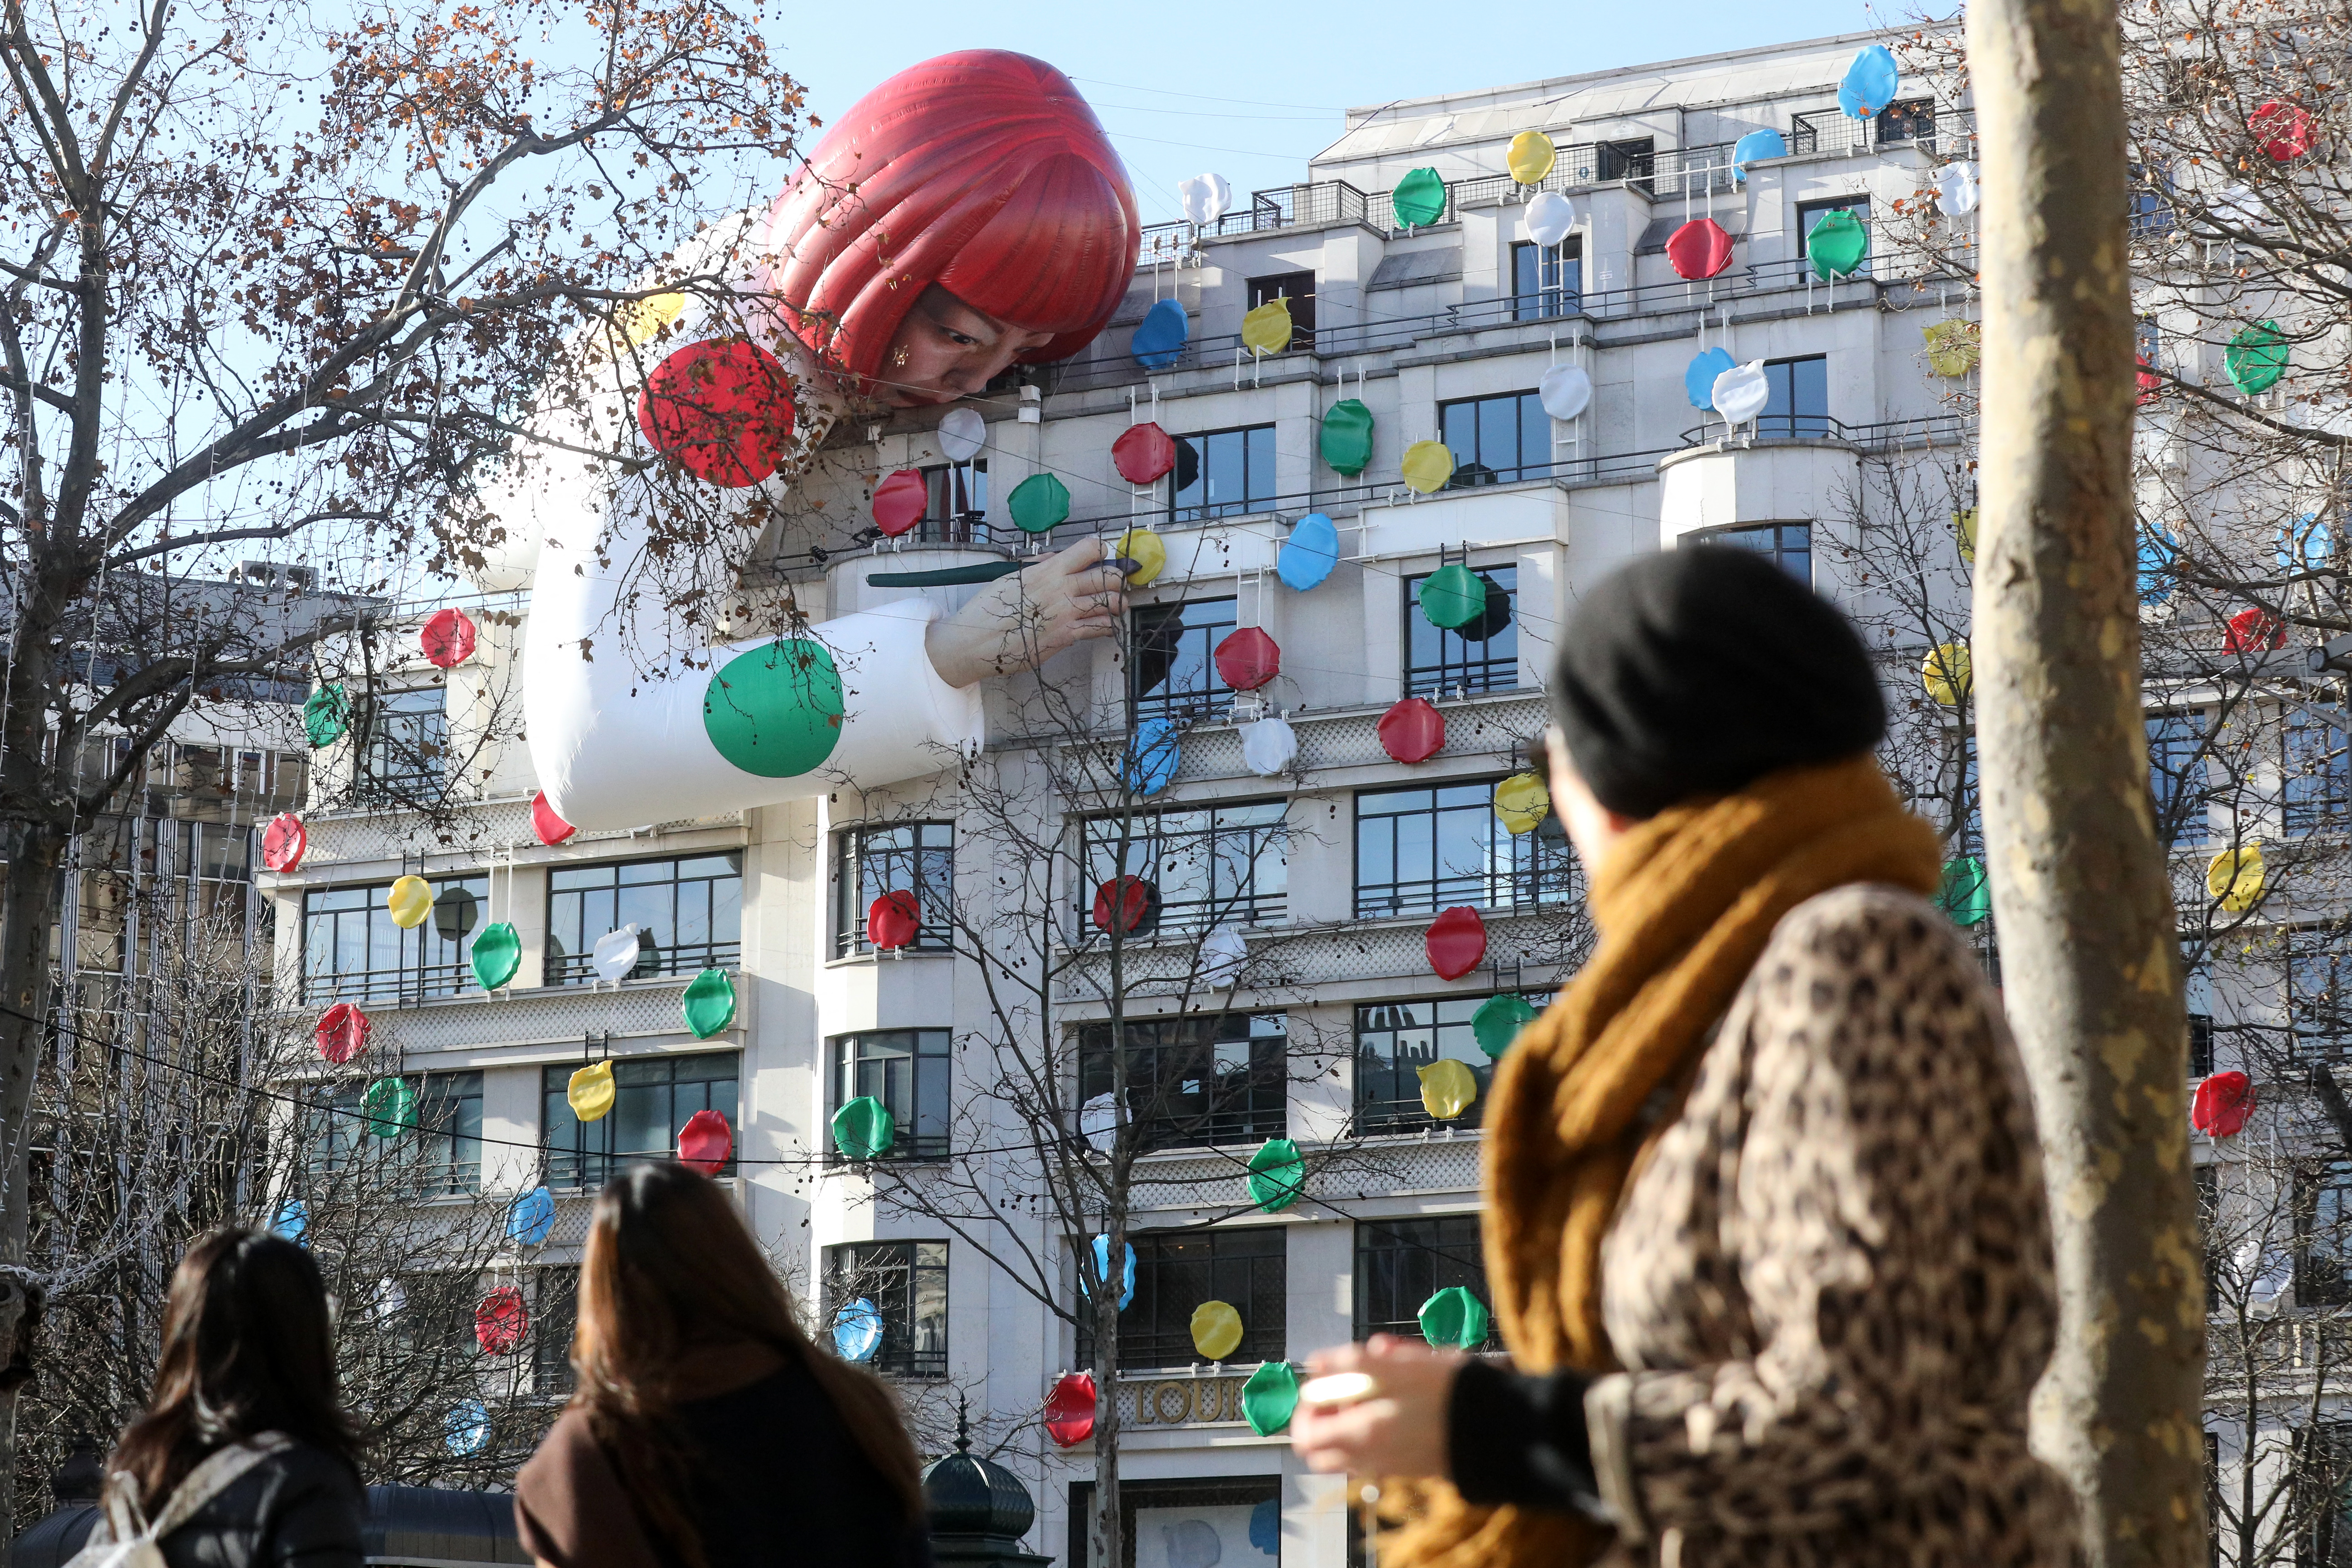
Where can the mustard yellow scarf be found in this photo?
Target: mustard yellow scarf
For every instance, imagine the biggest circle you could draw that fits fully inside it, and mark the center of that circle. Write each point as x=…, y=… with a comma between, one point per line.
x=1684, y=905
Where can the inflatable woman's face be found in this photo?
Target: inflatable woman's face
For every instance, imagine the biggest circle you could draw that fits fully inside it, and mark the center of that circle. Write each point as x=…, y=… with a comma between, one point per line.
x=945, y=350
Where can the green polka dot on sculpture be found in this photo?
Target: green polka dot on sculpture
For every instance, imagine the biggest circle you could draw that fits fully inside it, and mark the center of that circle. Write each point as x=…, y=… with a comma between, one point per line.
x=2256, y=358
x=327, y=716
x=1418, y=198
x=498, y=954
x=1039, y=503
x=389, y=1106
x=1967, y=893
x=1452, y=596
x=776, y=710
x=1498, y=1022
x=1837, y=244
x=864, y=1129
x=1270, y=1398
x=1277, y=1174
x=709, y=1002
x=1346, y=438
x=1454, y=1317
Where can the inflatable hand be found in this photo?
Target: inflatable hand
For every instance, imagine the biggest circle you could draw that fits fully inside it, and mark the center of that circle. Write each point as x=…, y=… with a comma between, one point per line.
x=1020, y=621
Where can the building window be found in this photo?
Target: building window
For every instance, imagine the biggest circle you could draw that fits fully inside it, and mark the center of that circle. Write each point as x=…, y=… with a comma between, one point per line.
x=1908, y=120
x=1496, y=440
x=1811, y=212
x=1546, y=281
x=554, y=1318
x=1787, y=545
x=1175, y=1271
x=1227, y=865
x=352, y=952
x=2319, y=1463
x=907, y=1281
x=1483, y=656
x=1401, y=1263
x=654, y=1096
x=1395, y=1040
x=2317, y=997
x=2315, y=769
x=2200, y=1045
x=440, y=1152
x=1190, y=1081
x=955, y=510
x=2323, y=1234
x=907, y=1070
x=2176, y=775
x=407, y=751
x=918, y=857
x=1298, y=289
x=1421, y=850
x=1173, y=672
x=1631, y=160
x=1223, y=473
x=2151, y=203
x=688, y=914
x=1797, y=406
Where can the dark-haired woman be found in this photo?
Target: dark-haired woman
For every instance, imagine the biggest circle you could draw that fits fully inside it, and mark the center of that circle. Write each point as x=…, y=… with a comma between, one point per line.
x=1764, y=1213
x=706, y=1431
x=244, y=1459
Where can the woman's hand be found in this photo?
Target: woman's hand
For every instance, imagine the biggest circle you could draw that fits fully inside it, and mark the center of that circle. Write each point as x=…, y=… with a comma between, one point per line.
x=1401, y=1429
x=1020, y=621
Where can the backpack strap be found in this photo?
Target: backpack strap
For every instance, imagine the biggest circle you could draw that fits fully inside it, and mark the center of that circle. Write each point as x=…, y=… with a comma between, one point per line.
x=217, y=1472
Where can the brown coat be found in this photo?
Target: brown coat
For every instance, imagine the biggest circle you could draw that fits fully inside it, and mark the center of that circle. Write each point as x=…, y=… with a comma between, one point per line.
x=1831, y=1280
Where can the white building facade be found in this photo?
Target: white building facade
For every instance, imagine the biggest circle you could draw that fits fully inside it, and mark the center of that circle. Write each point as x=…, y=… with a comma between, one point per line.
x=1443, y=332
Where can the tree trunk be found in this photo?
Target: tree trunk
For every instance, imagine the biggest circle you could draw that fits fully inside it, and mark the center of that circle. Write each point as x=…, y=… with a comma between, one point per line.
x=2091, y=956
x=28, y=898
x=1110, y=1532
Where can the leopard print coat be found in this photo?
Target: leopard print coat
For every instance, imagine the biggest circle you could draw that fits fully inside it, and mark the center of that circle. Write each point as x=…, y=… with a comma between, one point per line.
x=1831, y=1281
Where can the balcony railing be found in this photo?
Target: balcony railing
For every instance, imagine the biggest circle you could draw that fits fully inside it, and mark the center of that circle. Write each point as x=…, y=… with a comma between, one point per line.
x=677, y=958
x=1880, y=435
x=402, y=986
x=1112, y=365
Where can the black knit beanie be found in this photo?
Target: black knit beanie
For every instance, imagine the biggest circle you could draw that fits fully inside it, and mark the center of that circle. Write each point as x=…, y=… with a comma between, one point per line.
x=1697, y=672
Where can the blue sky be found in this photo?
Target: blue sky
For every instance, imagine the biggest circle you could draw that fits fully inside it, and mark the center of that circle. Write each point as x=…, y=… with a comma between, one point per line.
x=1252, y=90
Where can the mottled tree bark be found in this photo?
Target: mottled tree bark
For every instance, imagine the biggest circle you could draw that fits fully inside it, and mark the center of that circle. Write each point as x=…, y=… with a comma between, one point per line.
x=2090, y=955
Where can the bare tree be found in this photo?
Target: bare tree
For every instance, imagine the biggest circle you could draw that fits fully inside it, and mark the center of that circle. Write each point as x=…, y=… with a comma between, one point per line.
x=177, y=1101
x=1133, y=976
x=270, y=280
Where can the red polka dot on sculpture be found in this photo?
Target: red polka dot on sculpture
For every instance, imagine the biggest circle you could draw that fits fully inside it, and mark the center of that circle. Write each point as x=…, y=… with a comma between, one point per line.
x=1700, y=248
x=1143, y=454
x=2283, y=129
x=721, y=409
x=284, y=842
x=893, y=920
x=1070, y=1410
x=500, y=1320
x=342, y=1032
x=550, y=828
x=2222, y=1105
x=1127, y=906
x=1248, y=659
x=900, y=501
x=1456, y=943
x=1413, y=730
x=448, y=639
x=706, y=1142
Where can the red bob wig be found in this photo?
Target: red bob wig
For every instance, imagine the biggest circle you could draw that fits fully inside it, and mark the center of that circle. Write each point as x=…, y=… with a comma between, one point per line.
x=982, y=171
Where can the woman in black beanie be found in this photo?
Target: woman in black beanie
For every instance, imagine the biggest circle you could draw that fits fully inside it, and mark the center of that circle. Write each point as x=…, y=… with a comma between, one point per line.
x=1764, y=1217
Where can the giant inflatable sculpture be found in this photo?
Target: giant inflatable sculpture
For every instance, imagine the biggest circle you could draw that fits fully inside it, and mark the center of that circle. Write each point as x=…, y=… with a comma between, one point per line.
x=966, y=214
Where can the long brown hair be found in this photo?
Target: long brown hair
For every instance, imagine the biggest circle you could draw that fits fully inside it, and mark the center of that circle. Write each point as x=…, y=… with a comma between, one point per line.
x=247, y=1349
x=670, y=1266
